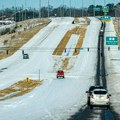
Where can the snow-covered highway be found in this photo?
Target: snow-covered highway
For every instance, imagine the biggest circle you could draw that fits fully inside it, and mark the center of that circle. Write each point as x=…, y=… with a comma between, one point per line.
x=55, y=99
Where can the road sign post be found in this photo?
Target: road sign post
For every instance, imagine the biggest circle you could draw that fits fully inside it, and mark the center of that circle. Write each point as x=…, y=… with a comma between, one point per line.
x=27, y=82
x=111, y=40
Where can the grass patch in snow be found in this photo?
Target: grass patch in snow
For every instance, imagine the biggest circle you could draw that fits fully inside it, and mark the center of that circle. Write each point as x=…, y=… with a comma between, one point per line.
x=63, y=63
x=62, y=45
x=82, y=32
x=18, y=89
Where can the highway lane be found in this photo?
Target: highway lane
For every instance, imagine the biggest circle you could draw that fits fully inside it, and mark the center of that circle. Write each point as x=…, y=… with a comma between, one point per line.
x=98, y=113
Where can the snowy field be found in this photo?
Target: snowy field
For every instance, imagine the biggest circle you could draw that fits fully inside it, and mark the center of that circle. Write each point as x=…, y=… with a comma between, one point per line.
x=56, y=99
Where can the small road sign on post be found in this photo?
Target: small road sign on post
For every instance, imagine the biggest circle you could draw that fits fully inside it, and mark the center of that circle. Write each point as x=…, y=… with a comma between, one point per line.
x=111, y=40
x=27, y=79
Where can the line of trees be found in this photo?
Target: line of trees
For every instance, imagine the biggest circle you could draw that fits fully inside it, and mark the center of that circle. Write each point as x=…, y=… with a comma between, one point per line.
x=20, y=14
x=112, y=10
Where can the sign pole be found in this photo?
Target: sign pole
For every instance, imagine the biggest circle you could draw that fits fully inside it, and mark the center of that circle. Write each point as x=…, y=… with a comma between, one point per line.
x=39, y=74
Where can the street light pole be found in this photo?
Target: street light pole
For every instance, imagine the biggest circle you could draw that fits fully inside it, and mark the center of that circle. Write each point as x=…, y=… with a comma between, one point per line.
x=63, y=8
x=40, y=10
x=15, y=10
x=94, y=8
x=48, y=9
x=33, y=13
x=74, y=12
x=104, y=2
x=118, y=16
x=22, y=12
x=82, y=8
x=2, y=14
x=25, y=9
x=70, y=8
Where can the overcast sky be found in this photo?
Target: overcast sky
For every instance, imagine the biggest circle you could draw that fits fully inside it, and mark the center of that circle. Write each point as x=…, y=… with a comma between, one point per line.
x=54, y=3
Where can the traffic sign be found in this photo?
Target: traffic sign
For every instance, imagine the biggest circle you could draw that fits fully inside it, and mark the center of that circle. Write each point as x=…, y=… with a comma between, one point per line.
x=97, y=9
x=80, y=48
x=27, y=79
x=111, y=40
x=105, y=9
x=106, y=18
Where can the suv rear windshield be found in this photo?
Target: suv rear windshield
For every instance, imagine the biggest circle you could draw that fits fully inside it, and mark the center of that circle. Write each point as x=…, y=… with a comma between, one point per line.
x=95, y=87
x=100, y=92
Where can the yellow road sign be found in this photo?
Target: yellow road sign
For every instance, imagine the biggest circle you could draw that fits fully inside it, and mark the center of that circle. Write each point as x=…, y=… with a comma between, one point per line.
x=27, y=79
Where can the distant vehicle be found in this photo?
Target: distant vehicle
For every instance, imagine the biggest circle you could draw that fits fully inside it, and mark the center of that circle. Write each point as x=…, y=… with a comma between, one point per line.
x=8, y=22
x=99, y=97
x=60, y=74
x=25, y=56
x=90, y=91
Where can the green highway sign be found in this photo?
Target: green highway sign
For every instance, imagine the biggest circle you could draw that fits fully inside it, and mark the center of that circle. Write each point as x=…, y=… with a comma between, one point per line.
x=80, y=48
x=105, y=9
x=106, y=18
x=111, y=40
x=97, y=9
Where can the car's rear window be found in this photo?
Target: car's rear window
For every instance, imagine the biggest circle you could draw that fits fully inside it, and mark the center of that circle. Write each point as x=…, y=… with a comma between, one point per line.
x=60, y=71
x=94, y=87
x=100, y=92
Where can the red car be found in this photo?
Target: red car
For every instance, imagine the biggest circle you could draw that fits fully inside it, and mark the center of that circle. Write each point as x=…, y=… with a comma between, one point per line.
x=60, y=73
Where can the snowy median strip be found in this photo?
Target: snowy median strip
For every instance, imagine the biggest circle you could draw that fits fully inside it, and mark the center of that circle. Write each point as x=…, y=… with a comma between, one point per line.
x=71, y=45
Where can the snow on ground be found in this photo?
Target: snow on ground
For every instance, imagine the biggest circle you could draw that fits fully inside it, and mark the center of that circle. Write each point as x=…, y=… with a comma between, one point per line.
x=71, y=45
x=56, y=99
x=113, y=69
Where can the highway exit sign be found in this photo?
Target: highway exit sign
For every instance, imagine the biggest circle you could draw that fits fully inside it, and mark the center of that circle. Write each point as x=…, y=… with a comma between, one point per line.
x=105, y=9
x=106, y=18
x=97, y=9
x=111, y=40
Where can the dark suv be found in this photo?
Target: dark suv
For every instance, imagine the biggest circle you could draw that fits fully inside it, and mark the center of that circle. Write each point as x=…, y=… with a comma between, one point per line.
x=90, y=91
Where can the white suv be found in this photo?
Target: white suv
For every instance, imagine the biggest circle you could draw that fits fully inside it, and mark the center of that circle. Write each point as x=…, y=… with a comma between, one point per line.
x=99, y=97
